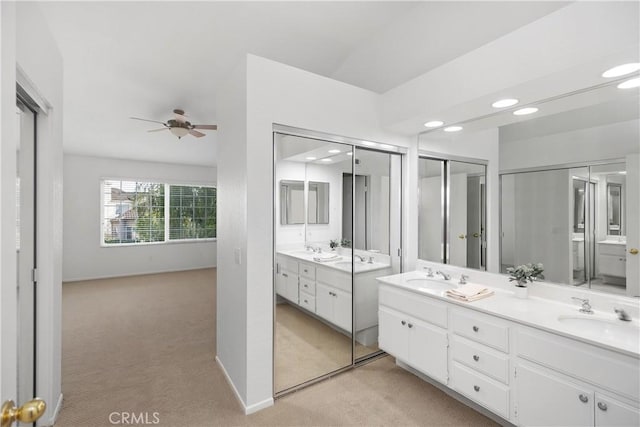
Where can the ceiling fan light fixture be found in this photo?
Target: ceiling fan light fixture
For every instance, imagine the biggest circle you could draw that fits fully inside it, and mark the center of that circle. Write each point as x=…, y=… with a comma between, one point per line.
x=179, y=131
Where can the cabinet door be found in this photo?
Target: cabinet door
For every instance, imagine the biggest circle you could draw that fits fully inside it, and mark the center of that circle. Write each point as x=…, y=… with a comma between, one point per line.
x=281, y=284
x=547, y=400
x=342, y=309
x=613, y=265
x=291, y=280
x=393, y=333
x=324, y=301
x=428, y=349
x=611, y=413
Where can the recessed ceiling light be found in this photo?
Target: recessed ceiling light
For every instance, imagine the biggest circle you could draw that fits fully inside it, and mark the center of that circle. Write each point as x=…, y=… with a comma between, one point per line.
x=525, y=111
x=334, y=151
x=369, y=143
x=630, y=84
x=622, y=70
x=504, y=103
x=350, y=153
x=434, y=124
x=326, y=160
x=310, y=158
x=453, y=129
x=622, y=172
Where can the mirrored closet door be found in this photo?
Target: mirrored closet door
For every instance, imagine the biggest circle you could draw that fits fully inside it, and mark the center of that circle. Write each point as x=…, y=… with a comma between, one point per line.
x=337, y=210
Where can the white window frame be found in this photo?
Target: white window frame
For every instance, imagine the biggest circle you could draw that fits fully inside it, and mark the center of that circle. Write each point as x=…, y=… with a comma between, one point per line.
x=167, y=193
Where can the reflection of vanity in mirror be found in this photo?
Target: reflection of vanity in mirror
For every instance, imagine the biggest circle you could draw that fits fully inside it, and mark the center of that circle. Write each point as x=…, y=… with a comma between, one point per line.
x=333, y=238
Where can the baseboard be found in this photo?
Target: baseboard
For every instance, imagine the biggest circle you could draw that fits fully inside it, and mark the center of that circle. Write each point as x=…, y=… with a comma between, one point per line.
x=115, y=276
x=247, y=409
x=454, y=394
x=54, y=416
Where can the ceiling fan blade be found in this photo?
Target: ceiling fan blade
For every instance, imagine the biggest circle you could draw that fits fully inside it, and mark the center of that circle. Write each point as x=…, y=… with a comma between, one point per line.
x=196, y=133
x=157, y=130
x=147, y=120
x=212, y=127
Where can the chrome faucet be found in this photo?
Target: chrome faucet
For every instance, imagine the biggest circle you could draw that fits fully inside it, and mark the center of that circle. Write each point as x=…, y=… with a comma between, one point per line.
x=361, y=258
x=429, y=271
x=622, y=315
x=445, y=276
x=370, y=260
x=463, y=279
x=586, y=307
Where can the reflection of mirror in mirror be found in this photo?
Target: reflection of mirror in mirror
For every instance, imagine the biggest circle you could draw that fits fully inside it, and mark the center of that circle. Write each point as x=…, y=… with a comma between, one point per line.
x=614, y=209
x=431, y=209
x=318, y=203
x=291, y=202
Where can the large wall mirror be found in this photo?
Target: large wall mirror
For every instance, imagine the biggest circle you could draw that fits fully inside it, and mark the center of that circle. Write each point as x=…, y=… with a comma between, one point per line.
x=339, y=227
x=568, y=177
x=452, y=211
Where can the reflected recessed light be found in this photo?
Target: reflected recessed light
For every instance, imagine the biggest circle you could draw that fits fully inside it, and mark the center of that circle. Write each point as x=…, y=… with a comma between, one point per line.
x=453, y=129
x=622, y=70
x=503, y=103
x=350, y=153
x=334, y=151
x=629, y=84
x=434, y=124
x=622, y=172
x=386, y=146
x=310, y=158
x=525, y=111
x=369, y=143
x=326, y=160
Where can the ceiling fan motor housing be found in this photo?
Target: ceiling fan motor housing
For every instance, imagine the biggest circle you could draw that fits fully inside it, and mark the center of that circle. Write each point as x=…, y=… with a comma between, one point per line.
x=177, y=124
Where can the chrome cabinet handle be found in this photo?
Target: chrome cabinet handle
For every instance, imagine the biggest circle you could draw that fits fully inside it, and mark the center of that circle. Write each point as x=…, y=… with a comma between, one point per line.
x=305, y=270
x=306, y=301
x=476, y=329
x=476, y=357
x=285, y=275
x=403, y=323
x=306, y=286
x=476, y=387
x=410, y=325
x=583, y=398
x=602, y=406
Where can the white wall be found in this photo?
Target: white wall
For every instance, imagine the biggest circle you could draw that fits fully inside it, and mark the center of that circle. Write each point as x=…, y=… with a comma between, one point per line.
x=27, y=44
x=84, y=257
x=613, y=141
x=478, y=145
x=275, y=93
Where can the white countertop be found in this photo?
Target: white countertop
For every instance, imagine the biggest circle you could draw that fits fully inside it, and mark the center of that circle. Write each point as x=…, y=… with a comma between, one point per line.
x=612, y=242
x=623, y=337
x=343, y=263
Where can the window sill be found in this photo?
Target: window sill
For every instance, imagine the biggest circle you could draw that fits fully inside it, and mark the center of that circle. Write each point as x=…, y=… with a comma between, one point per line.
x=167, y=242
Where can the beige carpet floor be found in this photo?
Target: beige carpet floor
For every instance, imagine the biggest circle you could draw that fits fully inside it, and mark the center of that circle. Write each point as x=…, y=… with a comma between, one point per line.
x=307, y=348
x=146, y=344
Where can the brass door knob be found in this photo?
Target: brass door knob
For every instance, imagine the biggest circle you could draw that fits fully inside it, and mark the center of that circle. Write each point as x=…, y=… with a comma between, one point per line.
x=633, y=251
x=462, y=236
x=476, y=235
x=27, y=413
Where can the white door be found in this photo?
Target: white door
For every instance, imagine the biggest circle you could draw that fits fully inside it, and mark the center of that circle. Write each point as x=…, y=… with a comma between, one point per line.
x=17, y=305
x=633, y=225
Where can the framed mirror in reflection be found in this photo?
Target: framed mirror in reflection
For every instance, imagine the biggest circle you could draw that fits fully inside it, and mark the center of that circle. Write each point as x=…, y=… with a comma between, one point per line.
x=318, y=203
x=291, y=202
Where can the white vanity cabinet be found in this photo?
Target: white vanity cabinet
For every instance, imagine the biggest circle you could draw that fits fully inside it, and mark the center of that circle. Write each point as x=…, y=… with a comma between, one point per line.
x=412, y=329
x=287, y=278
x=334, y=305
x=612, y=260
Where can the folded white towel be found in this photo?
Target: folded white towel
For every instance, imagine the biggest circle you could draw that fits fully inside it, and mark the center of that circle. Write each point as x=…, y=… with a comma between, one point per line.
x=469, y=292
x=326, y=257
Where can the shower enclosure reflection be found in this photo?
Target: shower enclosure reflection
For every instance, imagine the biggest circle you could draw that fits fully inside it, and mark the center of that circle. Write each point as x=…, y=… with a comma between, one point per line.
x=326, y=295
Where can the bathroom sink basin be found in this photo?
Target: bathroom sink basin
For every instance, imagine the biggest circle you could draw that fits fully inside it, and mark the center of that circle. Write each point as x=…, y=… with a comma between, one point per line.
x=431, y=285
x=602, y=327
x=346, y=265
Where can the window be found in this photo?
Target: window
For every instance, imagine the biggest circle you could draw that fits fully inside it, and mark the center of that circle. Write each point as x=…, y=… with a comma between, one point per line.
x=192, y=212
x=134, y=212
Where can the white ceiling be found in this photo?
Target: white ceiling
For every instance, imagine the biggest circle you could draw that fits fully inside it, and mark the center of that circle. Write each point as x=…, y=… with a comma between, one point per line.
x=144, y=59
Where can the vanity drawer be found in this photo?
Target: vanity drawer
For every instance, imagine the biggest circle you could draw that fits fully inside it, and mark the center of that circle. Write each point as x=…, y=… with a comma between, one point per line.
x=307, y=286
x=307, y=270
x=415, y=305
x=334, y=278
x=481, y=389
x=481, y=328
x=287, y=263
x=610, y=370
x=481, y=358
x=308, y=302
x=609, y=249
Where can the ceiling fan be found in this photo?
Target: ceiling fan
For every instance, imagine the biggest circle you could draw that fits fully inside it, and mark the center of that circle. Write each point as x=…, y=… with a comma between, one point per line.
x=179, y=125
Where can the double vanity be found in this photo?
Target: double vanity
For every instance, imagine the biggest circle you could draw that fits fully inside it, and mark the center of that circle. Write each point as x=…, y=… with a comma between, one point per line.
x=319, y=283
x=535, y=361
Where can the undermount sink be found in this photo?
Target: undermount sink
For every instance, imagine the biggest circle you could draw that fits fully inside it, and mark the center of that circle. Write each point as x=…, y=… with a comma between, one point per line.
x=432, y=285
x=346, y=265
x=603, y=327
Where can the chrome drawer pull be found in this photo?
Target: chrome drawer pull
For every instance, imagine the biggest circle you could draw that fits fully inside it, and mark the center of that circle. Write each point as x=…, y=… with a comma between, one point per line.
x=583, y=398
x=476, y=387
x=285, y=275
x=475, y=329
x=410, y=325
x=476, y=357
x=403, y=323
x=602, y=406
x=306, y=301
x=306, y=286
